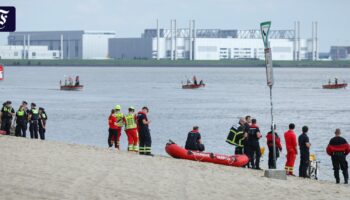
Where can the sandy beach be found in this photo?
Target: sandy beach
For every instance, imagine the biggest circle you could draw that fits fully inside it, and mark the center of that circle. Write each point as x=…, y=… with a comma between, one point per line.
x=50, y=170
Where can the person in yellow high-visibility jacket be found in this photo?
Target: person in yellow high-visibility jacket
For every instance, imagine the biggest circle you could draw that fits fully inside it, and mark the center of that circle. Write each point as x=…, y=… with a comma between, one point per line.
x=130, y=121
x=120, y=123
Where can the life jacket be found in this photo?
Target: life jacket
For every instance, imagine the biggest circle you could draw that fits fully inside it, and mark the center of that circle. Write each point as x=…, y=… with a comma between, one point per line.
x=120, y=117
x=236, y=136
x=270, y=142
x=338, y=145
x=130, y=122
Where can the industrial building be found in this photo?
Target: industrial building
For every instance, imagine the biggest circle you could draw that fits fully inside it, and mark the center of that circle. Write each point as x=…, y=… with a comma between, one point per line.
x=213, y=44
x=340, y=52
x=70, y=44
x=34, y=52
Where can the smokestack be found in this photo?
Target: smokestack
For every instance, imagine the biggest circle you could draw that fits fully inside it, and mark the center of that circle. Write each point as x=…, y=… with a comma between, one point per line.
x=194, y=39
x=171, y=39
x=295, y=42
x=298, y=54
x=28, y=44
x=61, y=52
x=316, y=41
x=175, y=37
x=24, y=47
x=190, y=40
x=158, y=40
x=312, y=42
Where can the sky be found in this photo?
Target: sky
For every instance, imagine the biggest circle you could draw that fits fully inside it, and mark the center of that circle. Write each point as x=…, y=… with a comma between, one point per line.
x=128, y=18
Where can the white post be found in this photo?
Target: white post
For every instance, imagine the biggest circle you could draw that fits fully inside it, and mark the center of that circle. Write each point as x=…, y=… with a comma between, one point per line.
x=175, y=40
x=194, y=40
x=171, y=39
x=24, y=47
x=158, y=40
x=61, y=52
x=28, y=45
x=190, y=40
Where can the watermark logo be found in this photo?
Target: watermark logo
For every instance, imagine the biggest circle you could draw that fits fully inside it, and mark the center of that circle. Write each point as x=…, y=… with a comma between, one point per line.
x=7, y=19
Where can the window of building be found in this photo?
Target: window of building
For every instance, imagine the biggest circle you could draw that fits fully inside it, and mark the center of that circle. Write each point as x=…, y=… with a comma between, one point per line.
x=54, y=54
x=33, y=54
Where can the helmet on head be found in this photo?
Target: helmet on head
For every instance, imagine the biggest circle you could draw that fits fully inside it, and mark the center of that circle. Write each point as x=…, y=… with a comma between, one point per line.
x=118, y=107
x=131, y=108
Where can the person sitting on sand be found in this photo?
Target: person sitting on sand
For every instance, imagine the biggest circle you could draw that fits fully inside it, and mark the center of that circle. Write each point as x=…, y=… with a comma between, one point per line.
x=193, y=141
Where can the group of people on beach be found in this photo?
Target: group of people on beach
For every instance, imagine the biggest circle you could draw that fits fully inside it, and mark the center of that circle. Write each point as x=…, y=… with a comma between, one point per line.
x=19, y=120
x=136, y=129
x=245, y=136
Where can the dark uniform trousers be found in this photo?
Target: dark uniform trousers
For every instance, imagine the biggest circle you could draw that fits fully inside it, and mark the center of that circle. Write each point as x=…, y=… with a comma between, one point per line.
x=145, y=141
x=304, y=164
x=33, y=129
x=254, y=154
x=42, y=131
x=339, y=162
x=21, y=129
x=6, y=126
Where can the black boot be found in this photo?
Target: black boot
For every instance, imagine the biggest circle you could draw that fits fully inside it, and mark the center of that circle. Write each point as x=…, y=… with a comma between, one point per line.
x=336, y=175
x=346, y=176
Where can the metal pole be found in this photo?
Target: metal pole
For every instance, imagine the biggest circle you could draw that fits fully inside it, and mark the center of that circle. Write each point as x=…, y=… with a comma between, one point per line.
x=175, y=40
x=158, y=40
x=273, y=130
x=190, y=40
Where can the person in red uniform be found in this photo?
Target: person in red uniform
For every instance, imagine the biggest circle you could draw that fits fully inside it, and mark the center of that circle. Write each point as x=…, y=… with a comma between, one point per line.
x=338, y=148
x=113, y=129
x=278, y=146
x=130, y=121
x=291, y=147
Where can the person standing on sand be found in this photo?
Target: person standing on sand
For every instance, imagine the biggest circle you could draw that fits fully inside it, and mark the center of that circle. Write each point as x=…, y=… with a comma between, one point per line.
x=42, y=123
x=278, y=146
x=113, y=129
x=21, y=122
x=304, y=146
x=248, y=122
x=253, y=145
x=236, y=136
x=130, y=121
x=6, y=115
x=145, y=135
x=33, y=116
x=291, y=147
x=119, y=116
x=338, y=148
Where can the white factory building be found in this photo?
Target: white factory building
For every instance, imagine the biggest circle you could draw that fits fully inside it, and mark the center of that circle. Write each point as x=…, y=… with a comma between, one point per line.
x=77, y=44
x=211, y=44
x=34, y=52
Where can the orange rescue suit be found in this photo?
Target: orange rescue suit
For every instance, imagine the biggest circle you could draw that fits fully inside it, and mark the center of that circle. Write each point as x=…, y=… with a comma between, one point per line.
x=291, y=147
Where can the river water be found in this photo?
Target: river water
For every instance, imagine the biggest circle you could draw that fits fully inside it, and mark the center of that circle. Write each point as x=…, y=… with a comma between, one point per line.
x=81, y=117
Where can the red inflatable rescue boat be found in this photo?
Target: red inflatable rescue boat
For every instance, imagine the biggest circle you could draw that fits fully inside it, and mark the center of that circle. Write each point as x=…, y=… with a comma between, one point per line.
x=176, y=151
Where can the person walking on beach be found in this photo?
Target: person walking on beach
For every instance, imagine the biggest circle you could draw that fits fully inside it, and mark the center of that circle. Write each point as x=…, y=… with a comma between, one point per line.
x=291, y=147
x=6, y=115
x=236, y=136
x=130, y=121
x=145, y=135
x=42, y=123
x=113, y=129
x=119, y=116
x=304, y=146
x=33, y=115
x=338, y=148
x=21, y=122
x=278, y=146
x=253, y=145
x=193, y=141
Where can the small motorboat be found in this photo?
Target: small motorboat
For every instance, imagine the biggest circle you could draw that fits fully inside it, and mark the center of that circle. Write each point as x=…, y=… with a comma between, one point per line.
x=192, y=86
x=335, y=86
x=70, y=85
x=176, y=151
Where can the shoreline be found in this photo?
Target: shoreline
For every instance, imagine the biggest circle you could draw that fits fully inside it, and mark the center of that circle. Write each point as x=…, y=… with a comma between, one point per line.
x=176, y=63
x=55, y=170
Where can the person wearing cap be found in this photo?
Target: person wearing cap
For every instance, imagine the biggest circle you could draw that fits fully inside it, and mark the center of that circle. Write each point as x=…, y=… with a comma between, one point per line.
x=338, y=148
x=25, y=107
x=6, y=116
x=21, y=122
x=42, y=123
x=33, y=116
x=304, y=147
x=145, y=135
x=120, y=123
x=130, y=121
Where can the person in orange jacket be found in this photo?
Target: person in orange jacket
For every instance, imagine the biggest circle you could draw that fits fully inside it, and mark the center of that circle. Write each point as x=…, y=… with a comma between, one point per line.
x=291, y=147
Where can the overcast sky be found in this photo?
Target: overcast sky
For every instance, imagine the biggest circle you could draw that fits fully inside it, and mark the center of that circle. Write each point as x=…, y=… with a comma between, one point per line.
x=128, y=18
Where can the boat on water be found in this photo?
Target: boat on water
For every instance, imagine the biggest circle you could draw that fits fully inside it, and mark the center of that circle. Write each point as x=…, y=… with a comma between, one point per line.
x=70, y=85
x=192, y=86
x=176, y=151
x=335, y=86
